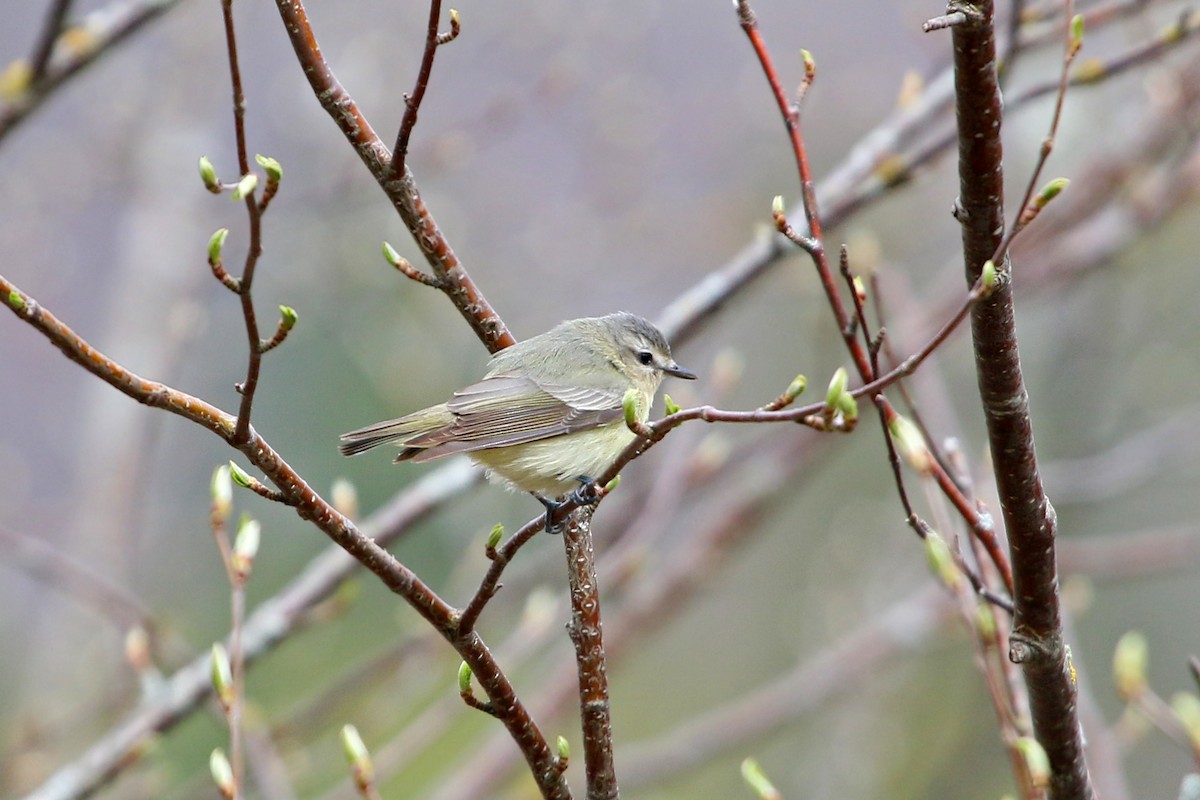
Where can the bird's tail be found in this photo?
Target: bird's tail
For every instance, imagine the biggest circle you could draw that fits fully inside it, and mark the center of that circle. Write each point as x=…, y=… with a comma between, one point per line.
x=396, y=431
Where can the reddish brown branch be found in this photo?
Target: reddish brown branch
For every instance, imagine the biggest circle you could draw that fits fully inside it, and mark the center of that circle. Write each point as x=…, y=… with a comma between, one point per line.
x=813, y=242
x=312, y=507
x=401, y=189
x=1037, y=641
x=412, y=102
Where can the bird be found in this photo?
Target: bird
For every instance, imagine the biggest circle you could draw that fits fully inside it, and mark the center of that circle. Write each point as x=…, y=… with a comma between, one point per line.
x=548, y=415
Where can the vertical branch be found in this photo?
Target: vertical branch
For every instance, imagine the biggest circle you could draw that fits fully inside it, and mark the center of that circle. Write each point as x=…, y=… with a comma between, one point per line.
x=1037, y=639
x=595, y=713
x=412, y=102
x=247, y=387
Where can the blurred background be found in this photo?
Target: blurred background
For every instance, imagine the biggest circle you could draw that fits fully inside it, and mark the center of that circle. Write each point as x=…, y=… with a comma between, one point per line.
x=583, y=158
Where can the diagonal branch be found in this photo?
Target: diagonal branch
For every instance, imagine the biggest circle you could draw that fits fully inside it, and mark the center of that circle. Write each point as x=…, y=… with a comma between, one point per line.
x=400, y=189
x=312, y=507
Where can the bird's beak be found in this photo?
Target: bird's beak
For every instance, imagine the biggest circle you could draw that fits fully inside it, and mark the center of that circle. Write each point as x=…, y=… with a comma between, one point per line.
x=679, y=372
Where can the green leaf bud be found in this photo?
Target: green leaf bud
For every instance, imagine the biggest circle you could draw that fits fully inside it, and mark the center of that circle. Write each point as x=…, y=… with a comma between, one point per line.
x=1130, y=659
x=796, y=387
x=494, y=538
x=837, y=385
x=271, y=167
x=1036, y=760
x=215, y=243
x=209, y=175
x=941, y=561
x=221, y=489
x=222, y=674
x=222, y=773
x=245, y=187
x=630, y=406
x=239, y=476
x=464, y=678
x=756, y=779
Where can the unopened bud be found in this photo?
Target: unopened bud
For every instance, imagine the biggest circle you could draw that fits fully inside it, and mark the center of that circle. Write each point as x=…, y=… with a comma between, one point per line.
x=1130, y=659
x=630, y=406
x=495, y=536
x=271, y=167
x=239, y=475
x=222, y=773
x=390, y=254
x=756, y=779
x=911, y=443
x=245, y=187
x=215, y=243
x=287, y=317
x=464, y=678
x=941, y=561
x=671, y=406
x=1187, y=711
x=222, y=674
x=1037, y=763
x=796, y=387
x=837, y=385
x=245, y=545
x=209, y=175
x=221, y=489
x=563, y=747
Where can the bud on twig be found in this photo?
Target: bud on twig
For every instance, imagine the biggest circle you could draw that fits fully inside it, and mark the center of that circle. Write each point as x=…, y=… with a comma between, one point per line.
x=837, y=385
x=222, y=675
x=215, y=243
x=464, y=678
x=209, y=176
x=271, y=167
x=245, y=187
x=911, y=443
x=758, y=782
x=221, y=489
x=941, y=561
x=239, y=475
x=671, y=406
x=494, y=539
x=357, y=756
x=245, y=546
x=1130, y=659
x=1187, y=711
x=344, y=497
x=1036, y=760
x=222, y=773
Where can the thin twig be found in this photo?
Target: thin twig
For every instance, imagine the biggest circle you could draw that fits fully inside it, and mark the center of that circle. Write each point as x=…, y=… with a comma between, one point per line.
x=108, y=28
x=52, y=27
x=412, y=102
x=400, y=188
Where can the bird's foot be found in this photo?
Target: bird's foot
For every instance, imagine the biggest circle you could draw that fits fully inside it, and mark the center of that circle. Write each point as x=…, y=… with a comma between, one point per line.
x=587, y=494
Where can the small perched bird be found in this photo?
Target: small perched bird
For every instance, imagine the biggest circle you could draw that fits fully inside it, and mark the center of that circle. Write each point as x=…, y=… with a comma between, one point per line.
x=549, y=412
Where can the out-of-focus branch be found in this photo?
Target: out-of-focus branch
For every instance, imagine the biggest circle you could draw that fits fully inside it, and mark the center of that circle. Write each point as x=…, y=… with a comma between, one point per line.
x=91, y=589
x=400, y=189
x=269, y=624
x=76, y=48
x=1037, y=640
x=906, y=625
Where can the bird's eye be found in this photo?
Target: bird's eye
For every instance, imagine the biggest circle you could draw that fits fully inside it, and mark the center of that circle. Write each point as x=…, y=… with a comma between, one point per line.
x=645, y=357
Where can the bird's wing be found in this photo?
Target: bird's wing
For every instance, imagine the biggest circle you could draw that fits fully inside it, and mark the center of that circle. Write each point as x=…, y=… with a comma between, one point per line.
x=503, y=410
